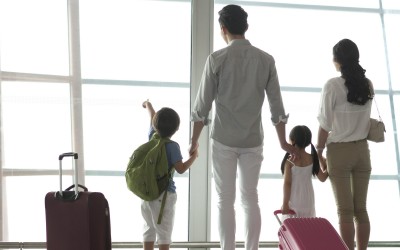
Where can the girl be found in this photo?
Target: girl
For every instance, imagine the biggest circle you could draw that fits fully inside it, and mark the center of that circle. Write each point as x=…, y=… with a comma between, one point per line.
x=298, y=192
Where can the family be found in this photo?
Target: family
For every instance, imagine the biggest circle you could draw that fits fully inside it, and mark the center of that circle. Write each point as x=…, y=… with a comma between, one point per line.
x=236, y=80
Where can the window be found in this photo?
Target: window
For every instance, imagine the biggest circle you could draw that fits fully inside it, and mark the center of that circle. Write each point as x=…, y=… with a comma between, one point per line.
x=130, y=51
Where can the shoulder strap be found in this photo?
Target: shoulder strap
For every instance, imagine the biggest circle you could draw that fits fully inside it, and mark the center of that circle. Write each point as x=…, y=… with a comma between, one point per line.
x=162, y=207
x=164, y=197
x=376, y=105
x=163, y=141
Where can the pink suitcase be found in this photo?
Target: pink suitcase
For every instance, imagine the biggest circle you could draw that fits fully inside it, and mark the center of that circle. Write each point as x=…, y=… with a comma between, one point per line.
x=308, y=234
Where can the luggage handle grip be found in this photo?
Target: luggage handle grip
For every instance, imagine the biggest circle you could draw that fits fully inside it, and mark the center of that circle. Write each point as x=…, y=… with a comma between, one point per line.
x=276, y=212
x=79, y=185
x=60, y=158
x=66, y=194
x=75, y=155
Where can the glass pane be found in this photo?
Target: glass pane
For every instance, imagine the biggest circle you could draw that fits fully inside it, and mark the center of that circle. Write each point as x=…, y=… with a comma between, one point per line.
x=36, y=124
x=382, y=195
x=391, y=4
x=34, y=36
x=24, y=206
x=303, y=49
x=135, y=40
x=124, y=207
x=387, y=164
x=392, y=23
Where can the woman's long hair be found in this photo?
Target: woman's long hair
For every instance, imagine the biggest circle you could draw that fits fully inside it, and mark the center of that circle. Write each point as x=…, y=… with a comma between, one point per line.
x=346, y=53
x=301, y=136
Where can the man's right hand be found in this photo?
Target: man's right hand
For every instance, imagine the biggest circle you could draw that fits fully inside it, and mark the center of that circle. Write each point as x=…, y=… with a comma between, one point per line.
x=193, y=147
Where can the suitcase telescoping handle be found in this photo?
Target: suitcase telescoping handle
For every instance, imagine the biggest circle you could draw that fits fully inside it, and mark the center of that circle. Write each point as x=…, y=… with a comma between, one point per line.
x=60, y=158
x=276, y=212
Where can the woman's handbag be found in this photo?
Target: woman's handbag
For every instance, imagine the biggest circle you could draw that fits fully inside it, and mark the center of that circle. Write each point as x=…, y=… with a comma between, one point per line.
x=377, y=128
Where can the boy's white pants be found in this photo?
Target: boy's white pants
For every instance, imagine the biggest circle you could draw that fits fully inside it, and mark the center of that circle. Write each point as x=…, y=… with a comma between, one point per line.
x=150, y=211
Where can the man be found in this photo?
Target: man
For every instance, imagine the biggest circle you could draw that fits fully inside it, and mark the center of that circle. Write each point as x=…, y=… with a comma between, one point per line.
x=237, y=78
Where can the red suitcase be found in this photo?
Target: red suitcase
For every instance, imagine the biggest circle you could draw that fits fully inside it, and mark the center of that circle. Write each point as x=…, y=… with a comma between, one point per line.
x=308, y=234
x=77, y=220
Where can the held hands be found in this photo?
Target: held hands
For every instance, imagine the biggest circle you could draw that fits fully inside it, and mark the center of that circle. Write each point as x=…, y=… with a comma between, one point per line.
x=193, y=149
x=292, y=150
x=194, y=153
x=322, y=162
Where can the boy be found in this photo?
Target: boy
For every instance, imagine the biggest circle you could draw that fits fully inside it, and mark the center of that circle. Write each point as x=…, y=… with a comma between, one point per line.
x=165, y=122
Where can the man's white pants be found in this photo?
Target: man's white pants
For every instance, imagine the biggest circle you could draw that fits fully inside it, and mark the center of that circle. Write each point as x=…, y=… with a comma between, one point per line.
x=246, y=164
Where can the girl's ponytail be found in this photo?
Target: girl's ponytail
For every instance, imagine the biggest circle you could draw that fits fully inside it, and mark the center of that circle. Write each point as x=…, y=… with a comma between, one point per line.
x=316, y=166
x=284, y=162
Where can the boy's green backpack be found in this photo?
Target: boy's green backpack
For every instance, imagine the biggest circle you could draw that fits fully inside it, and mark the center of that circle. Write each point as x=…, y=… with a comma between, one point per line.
x=147, y=174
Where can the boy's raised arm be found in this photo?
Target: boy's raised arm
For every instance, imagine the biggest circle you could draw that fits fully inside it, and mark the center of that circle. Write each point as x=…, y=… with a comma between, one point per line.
x=147, y=105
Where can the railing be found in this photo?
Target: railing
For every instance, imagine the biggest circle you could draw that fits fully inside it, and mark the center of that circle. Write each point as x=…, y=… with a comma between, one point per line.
x=127, y=245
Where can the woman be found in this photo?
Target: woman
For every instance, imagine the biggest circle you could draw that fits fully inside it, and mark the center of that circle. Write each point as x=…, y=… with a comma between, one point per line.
x=344, y=113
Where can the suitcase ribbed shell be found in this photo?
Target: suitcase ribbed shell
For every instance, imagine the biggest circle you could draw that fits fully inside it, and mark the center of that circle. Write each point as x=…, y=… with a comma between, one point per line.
x=309, y=234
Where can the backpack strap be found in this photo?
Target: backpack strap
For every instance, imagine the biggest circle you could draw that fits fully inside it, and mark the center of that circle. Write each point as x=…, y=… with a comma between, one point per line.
x=162, y=207
x=164, y=197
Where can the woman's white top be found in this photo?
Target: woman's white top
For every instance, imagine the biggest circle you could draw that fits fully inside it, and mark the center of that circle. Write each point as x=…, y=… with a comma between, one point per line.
x=345, y=121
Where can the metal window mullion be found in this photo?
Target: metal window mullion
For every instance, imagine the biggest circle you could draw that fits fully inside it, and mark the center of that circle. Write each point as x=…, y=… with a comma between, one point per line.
x=200, y=173
x=31, y=77
x=305, y=6
x=3, y=201
x=76, y=85
x=390, y=94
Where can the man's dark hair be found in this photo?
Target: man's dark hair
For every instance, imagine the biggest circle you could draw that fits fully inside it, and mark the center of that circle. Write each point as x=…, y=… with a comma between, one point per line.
x=166, y=122
x=234, y=18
